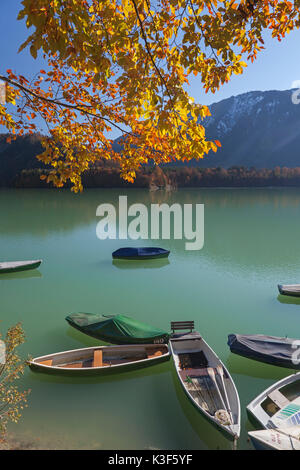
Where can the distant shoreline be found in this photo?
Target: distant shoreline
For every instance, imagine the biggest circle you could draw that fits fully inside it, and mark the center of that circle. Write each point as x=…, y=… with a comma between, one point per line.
x=170, y=178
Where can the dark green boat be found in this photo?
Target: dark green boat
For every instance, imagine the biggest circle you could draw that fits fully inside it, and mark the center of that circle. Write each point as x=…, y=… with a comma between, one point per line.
x=16, y=266
x=117, y=329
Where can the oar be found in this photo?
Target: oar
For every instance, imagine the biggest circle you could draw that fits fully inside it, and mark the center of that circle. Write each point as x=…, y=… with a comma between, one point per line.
x=221, y=374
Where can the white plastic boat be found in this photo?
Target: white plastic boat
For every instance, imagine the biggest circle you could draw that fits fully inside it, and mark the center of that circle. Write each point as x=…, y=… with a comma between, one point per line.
x=289, y=289
x=276, y=439
x=279, y=405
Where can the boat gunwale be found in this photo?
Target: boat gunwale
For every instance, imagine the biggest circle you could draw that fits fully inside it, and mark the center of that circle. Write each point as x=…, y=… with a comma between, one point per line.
x=227, y=429
x=111, y=366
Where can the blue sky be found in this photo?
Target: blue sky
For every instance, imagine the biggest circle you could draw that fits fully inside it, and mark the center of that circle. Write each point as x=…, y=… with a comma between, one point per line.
x=276, y=68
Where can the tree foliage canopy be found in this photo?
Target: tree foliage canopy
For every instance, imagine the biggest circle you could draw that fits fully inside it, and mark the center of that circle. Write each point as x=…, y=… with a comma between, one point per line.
x=125, y=64
x=12, y=401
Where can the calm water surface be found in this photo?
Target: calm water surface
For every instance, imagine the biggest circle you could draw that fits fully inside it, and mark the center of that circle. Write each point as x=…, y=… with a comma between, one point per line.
x=230, y=286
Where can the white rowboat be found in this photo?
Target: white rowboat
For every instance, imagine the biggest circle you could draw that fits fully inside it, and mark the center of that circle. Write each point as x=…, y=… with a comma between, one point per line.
x=289, y=289
x=16, y=266
x=102, y=359
x=279, y=405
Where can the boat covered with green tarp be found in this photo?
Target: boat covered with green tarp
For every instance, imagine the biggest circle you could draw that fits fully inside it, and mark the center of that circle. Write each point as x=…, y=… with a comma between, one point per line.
x=116, y=329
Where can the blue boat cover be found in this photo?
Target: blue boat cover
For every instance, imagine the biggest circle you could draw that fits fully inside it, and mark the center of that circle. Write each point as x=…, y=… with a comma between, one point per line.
x=270, y=349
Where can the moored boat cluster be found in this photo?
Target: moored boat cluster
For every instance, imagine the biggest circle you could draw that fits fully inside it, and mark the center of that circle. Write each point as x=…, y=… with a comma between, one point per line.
x=202, y=375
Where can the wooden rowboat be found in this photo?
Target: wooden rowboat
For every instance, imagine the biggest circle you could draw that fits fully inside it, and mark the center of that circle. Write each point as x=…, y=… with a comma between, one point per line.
x=276, y=439
x=205, y=379
x=289, y=289
x=279, y=405
x=102, y=359
x=16, y=266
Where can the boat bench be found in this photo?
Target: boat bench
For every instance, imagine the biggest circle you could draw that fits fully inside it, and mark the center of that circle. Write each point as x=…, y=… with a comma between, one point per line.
x=278, y=398
x=182, y=325
x=98, y=358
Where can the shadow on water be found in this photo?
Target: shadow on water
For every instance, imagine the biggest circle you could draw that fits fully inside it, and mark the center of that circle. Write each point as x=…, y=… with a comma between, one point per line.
x=211, y=436
x=141, y=264
x=288, y=299
x=250, y=368
x=34, y=273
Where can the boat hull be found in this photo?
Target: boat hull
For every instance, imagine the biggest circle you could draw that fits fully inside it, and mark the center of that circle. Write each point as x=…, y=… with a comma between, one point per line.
x=255, y=409
x=233, y=431
x=98, y=371
x=144, y=257
x=14, y=267
x=288, y=290
x=268, y=349
x=136, y=254
x=121, y=339
x=276, y=439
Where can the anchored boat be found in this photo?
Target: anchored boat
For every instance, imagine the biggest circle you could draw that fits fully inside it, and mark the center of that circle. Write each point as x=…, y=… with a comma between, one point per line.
x=270, y=349
x=289, y=289
x=116, y=329
x=276, y=439
x=140, y=253
x=279, y=405
x=16, y=266
x=205, y=379
x=102, y=359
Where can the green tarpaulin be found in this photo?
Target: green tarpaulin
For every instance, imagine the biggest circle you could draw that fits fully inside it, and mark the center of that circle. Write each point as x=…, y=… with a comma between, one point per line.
x=118, y=329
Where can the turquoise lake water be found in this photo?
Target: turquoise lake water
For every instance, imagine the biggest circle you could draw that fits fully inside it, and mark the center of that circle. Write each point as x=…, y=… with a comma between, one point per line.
x=230, y=286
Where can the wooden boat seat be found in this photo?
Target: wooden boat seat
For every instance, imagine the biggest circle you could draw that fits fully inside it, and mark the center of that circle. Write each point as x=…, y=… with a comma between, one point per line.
x=278, y=398
x=98, y=358
x=155, y=354
x=46, y=363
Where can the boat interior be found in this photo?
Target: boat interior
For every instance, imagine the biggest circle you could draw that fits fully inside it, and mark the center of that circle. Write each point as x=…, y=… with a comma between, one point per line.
x=103, y=357
x=278, y=399
x=197, y=369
